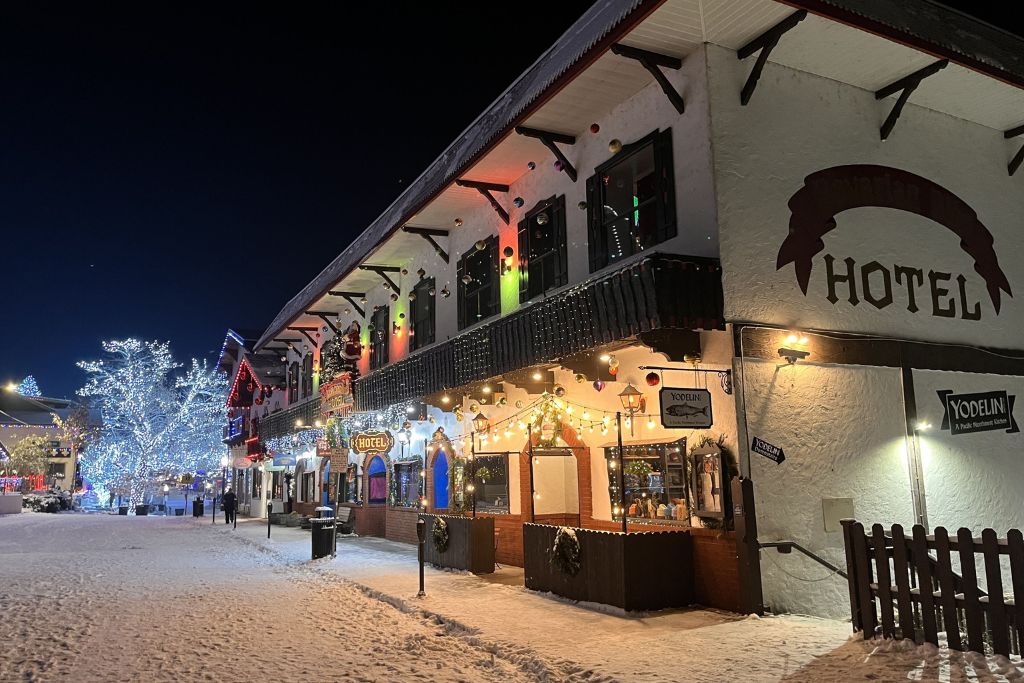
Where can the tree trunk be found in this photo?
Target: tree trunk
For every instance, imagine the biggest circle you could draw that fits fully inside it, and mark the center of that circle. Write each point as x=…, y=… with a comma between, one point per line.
x=136, y=491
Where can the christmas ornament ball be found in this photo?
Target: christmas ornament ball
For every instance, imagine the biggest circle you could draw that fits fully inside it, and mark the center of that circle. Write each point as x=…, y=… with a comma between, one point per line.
x=558, y=165
x=594, y=128
x=582, y=206
x=598, y=385
x=542, y=219
x=518, y=201
x=507, y=252
x=531, y=165
x=653, y=379
x=580, y=378
x=615, y=146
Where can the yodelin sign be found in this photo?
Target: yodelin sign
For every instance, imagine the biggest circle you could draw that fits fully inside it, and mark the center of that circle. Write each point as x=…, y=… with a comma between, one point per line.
x=979, y=412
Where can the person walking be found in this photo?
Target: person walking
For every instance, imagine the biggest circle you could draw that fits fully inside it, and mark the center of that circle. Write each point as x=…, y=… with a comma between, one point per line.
x=230, y=503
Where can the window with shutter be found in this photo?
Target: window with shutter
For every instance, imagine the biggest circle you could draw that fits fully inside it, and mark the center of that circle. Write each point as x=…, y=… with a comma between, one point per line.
x=631, y=200
x=478, y=282
x=380, y=336
x=421, y=332
x=542, y=252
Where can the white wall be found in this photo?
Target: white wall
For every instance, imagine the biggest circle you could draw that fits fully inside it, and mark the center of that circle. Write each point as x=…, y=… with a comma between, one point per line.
x=797, y=124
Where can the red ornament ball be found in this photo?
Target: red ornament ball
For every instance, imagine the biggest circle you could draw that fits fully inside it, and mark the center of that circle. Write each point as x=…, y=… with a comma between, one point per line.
x=653, y=379
x=594, y=128
x=613, y=371
x=598, y=385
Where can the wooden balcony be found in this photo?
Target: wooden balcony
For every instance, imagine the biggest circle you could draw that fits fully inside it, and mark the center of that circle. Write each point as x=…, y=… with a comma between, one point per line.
x=659, y=292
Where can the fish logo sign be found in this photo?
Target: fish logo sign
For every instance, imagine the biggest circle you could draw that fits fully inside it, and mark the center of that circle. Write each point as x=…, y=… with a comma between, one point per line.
x=685, y=408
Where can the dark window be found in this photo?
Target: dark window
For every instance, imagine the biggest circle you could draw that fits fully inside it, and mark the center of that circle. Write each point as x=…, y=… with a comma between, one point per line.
x=57, y=470
x=492, y=484
x=293, y=382
x=307, y=375
x=542, y=257
x=377, y=481
x=478, y=282
x=631, y=200
x=421, y=333
x=380, y=335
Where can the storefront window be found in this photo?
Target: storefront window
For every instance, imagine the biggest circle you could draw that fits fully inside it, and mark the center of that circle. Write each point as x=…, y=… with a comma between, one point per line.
x=380, y=335
x=477, y=274
x=542, y=254
x=421, y=333
x=351, y=493
x=257, y=483
x=407, y=484
x=308, y=493
x=377, y=481
x=655, y=481
x=492, y=484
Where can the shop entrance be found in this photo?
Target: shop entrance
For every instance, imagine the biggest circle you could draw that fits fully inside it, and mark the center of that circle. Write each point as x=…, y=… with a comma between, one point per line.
x=556, y=498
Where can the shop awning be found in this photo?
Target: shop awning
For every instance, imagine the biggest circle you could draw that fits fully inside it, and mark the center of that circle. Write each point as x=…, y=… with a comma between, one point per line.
x=658, y=292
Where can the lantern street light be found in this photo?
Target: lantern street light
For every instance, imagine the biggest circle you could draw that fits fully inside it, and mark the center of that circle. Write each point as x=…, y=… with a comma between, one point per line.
x=480, y=425
x=631, y=399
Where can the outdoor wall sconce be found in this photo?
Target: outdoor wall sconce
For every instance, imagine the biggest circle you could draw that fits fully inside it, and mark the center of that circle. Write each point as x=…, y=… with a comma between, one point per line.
x=631, y=399
x=790, y=350
x=480, y=422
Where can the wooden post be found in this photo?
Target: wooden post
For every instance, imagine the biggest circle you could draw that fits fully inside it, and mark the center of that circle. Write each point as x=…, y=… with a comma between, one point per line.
x=533, y=492
x=851, y=574
x=748, y=551
x=622, y=473
x=994, y=582
x=1015, y=544
x=884, y=581
x=925, y=585
x=901, y=567
x=972, y=605
x=947, y=591
x=865, y=599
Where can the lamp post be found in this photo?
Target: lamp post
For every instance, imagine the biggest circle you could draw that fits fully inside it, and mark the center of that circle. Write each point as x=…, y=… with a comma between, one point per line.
x=480, y=424
x=632, y=401
x=167, y=510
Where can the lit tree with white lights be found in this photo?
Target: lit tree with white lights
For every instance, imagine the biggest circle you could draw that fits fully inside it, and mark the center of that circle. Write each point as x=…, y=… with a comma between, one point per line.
x=158, y=419
x=29, y=387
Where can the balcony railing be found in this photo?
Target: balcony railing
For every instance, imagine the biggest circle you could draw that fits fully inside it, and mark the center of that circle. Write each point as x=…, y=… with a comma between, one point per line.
x=285, y=422
x=661, y=291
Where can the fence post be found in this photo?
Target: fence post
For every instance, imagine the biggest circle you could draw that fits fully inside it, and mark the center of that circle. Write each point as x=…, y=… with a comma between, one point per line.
x=925, y=585
x=947, y=591
x=901, y=569
x=884, y=581
x=866, y=599
x=1015, y=543
x=851, y=574
x=994, y=583
x=972, y=605
x=748, y=551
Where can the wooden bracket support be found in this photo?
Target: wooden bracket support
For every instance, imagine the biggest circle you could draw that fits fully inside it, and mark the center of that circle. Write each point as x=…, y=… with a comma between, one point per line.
x=383, y=272
x=429, y=234
x=1015, y=162
x=765, y=42
x=652, y=61
x=486, y=189
x=351, y=298
x=305, y=331
x=548, y=139
x=323, y=315
x=288, y=343
x=905, y=86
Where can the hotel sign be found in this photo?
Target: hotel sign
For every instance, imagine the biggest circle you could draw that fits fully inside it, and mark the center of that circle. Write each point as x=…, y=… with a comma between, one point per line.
x=372, y=443
x=979, y=412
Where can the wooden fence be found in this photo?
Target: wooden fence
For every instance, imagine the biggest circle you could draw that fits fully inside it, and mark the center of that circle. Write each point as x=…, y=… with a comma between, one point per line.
x=908, y=586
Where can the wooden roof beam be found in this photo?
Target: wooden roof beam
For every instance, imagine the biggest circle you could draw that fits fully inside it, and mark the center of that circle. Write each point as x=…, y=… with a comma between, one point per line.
x=765, y=42
x=652, y=61
x=905, y=86
x=429, y=234
x=486, y=189
x=383, y=272
x=548, y=139
x=351, y=298
x=1015, y=162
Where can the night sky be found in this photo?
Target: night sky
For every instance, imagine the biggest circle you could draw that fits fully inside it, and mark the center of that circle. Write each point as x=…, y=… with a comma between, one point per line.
x=167, y=173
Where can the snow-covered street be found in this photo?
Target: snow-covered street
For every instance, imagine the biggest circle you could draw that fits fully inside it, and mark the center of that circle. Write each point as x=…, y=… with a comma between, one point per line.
x=100, y=598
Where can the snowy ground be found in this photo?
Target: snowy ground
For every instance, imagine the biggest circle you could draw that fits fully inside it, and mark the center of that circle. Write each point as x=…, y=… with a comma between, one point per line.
x=104, y=598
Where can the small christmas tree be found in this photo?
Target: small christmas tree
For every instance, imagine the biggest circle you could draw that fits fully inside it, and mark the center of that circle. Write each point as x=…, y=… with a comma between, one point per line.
x=28, y=387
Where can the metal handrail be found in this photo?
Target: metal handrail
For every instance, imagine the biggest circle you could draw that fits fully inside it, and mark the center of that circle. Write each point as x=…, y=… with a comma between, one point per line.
x=786, y=547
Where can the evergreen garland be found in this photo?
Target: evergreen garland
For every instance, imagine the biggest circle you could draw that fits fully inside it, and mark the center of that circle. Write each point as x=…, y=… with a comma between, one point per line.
x=565, y=553
x=440, y=534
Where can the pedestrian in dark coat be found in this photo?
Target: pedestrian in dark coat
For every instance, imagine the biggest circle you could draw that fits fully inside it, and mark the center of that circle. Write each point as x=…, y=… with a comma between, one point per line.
x=230, y=504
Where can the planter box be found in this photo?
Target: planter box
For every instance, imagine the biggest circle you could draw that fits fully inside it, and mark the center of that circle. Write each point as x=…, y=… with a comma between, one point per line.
x=470, y=544
x=635, y=571
x=10, y=503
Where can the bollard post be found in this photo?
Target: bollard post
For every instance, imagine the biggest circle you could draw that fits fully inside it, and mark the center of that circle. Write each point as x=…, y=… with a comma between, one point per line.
x=421, y=533
x=234, y=520
x=185, y=511
x=213, y=510
x=270, y=506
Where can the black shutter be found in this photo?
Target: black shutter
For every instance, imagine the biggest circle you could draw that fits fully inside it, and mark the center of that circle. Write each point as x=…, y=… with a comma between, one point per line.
x=460, y=290
x=494, y=276
x=562, y=263
x=595, y=245
x=666, y=187
x=524, y=260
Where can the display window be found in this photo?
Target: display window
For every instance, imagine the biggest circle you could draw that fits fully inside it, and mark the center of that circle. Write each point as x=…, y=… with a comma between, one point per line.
x=654, y=480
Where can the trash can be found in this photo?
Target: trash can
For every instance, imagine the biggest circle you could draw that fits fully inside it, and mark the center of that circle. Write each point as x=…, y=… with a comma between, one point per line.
x=179, y=512
x=323, y=534
x=197, y=507
x=122, y=510
x=324, y=511
x=141, y=510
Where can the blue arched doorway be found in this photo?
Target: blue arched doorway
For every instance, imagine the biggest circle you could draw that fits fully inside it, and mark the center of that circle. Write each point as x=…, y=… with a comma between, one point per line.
x=441, y=481
x=377, y=481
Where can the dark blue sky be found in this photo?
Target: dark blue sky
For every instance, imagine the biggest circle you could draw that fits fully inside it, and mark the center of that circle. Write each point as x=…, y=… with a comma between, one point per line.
x=159, y=164
x=168, y=172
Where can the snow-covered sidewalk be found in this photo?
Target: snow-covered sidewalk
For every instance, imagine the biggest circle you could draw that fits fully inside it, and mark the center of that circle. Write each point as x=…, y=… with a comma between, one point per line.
x=100, y=598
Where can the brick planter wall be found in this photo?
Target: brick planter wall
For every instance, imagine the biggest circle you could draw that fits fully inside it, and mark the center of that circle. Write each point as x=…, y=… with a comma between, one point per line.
x=400, y=525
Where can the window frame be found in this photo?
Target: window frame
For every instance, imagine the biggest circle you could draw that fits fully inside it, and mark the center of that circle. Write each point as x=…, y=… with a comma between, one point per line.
x=493, y=285
x=423, y=331
x=556, y=205
x=665, y=202
x=416, y=482
x=293, y=382
x=306, y=381
x=380, y=339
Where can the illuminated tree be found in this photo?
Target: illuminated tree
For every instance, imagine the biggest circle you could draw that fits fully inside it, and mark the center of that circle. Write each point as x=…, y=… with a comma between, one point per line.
x=29, y=456
x=28, y=387
x=157, y=419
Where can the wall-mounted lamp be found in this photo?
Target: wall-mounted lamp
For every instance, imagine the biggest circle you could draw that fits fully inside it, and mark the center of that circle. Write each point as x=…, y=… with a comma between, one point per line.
x=922, y=426
x=791, y=349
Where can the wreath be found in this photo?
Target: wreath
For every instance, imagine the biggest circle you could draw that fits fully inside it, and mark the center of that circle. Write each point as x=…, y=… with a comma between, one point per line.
x=440, y=534
x=565, y=553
